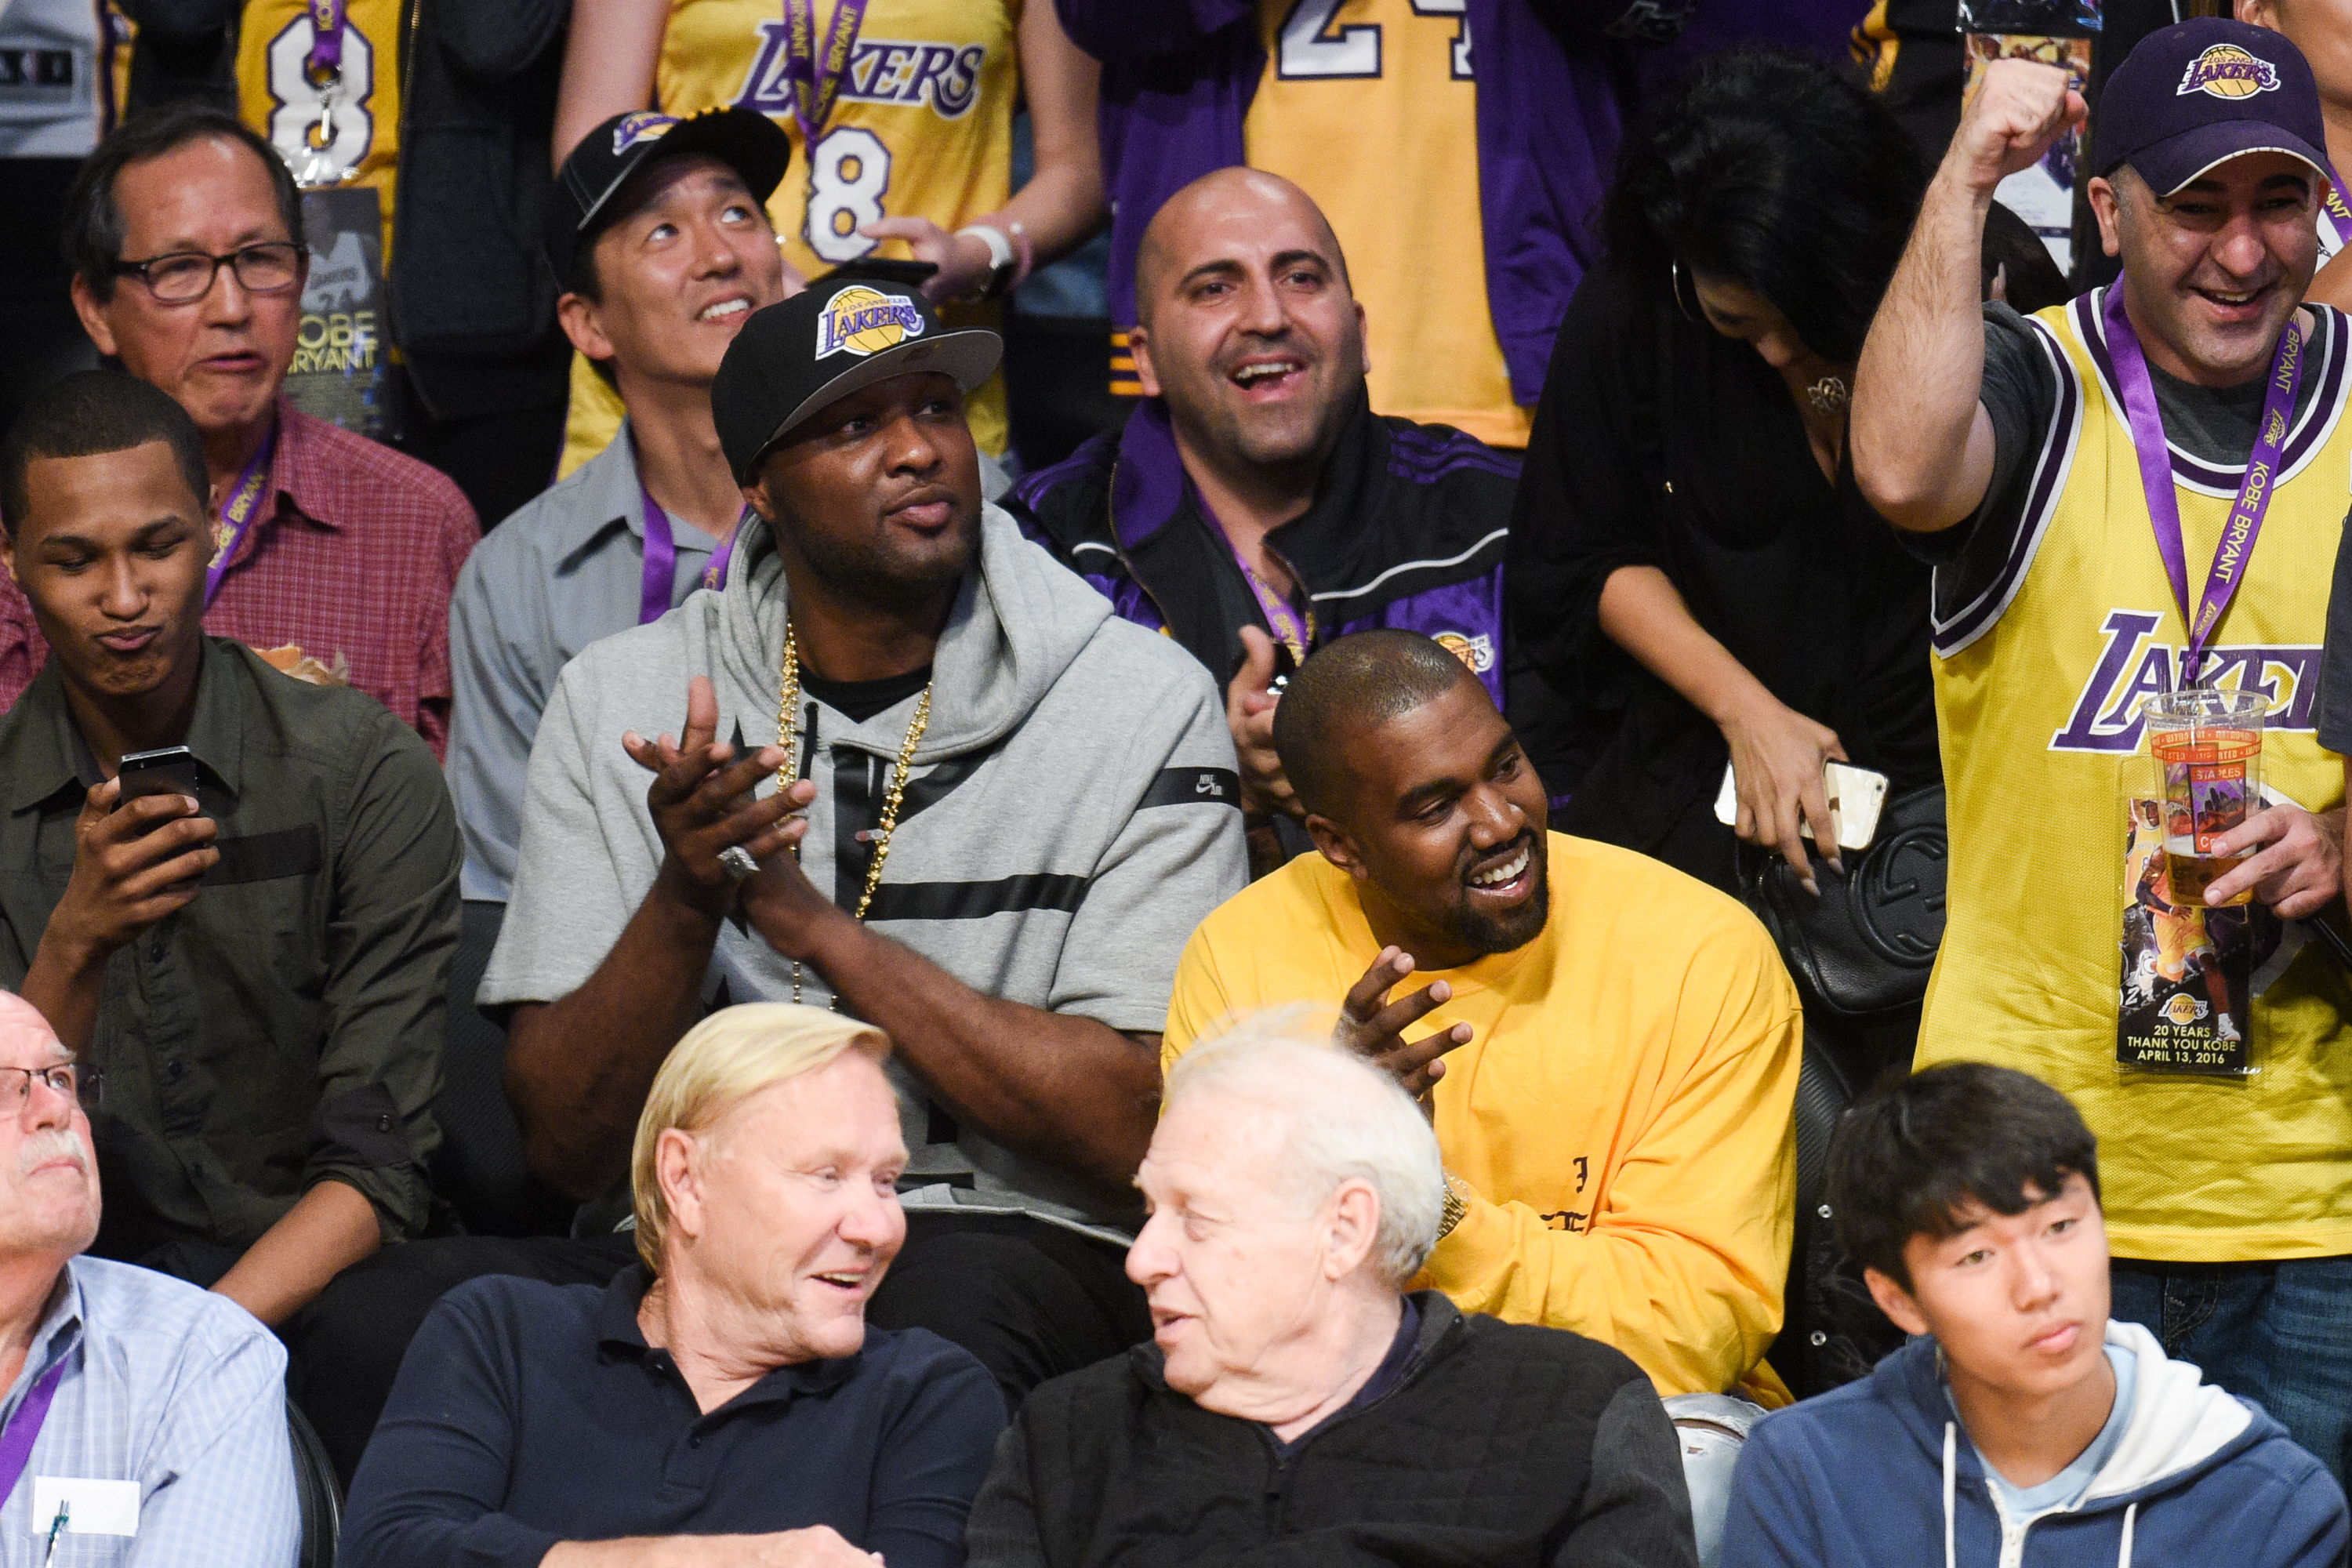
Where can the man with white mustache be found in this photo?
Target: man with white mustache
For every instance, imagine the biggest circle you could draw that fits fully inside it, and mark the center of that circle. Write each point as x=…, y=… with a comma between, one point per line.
x=135, y=1405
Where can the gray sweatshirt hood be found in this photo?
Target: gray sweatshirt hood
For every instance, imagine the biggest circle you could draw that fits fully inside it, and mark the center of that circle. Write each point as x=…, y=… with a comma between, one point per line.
x=1019, y=622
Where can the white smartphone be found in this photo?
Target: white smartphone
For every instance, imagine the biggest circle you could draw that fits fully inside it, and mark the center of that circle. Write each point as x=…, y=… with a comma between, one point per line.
x=1856, y=797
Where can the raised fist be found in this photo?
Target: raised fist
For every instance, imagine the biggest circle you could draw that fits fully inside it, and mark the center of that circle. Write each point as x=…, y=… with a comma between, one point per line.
x=2021, y=110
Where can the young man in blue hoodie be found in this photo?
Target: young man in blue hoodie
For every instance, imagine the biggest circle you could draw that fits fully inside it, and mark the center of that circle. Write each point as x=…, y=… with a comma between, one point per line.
x=2020, y=1426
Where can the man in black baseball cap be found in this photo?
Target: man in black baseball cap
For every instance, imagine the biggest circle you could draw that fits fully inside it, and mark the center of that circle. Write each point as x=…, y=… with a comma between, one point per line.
x=2131, y=492
x=925, y=775
x=659, y=233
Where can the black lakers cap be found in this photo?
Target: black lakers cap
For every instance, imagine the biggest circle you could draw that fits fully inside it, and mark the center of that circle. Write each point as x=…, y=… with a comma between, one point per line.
x=2202, y=92
x=748, y=142
x=845, y=332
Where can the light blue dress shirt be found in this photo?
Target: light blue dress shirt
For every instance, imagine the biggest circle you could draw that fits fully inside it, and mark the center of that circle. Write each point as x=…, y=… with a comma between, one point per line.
x=177, y=1390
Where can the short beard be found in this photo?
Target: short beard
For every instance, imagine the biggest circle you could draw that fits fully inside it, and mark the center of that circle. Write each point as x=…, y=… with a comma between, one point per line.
x=1511, y=931
x=873, y=577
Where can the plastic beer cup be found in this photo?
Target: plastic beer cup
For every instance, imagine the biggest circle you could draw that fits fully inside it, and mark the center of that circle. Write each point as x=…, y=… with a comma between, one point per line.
x=2208, y=746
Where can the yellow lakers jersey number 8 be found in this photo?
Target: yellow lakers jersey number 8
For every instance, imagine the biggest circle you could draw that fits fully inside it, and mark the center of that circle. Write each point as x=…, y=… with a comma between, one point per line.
x=2039, y=682
x=351, y=127
x=922, y=128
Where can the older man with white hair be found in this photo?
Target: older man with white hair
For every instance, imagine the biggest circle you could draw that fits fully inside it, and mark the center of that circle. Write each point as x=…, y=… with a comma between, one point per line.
x=1295, y=1405
x=723, y=1403
x=144, y=1421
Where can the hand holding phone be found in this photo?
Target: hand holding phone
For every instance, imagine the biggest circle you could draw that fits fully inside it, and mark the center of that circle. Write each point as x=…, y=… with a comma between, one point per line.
x=137, y=859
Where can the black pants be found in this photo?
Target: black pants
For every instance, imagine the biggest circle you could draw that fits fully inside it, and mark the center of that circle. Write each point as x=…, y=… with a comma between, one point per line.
x=1031, y=1299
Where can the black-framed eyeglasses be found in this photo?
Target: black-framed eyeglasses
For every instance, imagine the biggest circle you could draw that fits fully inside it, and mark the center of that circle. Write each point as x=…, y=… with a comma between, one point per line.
x=183, y=277
x=78, y=1081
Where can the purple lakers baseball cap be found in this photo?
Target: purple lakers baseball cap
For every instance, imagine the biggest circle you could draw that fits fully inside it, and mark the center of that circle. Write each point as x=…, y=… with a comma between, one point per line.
x=2202, y=92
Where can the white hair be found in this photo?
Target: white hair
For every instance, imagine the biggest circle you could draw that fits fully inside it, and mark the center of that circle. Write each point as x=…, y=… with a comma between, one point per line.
x=1344, y=1121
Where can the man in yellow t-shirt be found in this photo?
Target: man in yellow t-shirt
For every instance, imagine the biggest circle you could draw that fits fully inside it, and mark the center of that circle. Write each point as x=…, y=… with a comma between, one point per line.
x=1614, y=1046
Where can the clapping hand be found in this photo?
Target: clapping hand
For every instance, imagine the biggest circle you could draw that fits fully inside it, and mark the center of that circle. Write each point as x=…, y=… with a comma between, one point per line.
x=701, y=801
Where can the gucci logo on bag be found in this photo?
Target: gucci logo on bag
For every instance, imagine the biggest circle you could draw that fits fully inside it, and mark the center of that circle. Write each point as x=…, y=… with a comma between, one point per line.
x=1901, y=911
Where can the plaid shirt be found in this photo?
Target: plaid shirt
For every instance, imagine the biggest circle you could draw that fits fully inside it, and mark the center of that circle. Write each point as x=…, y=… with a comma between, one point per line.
x=354, y=553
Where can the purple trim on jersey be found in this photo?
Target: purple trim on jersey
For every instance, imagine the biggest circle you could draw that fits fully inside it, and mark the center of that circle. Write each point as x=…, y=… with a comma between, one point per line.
x=1032, y=488
x=2050, y=469
x=1425, y=454
x=1176, y=92
x=1100, y=567
x=1467, y=614
x=2327, y=366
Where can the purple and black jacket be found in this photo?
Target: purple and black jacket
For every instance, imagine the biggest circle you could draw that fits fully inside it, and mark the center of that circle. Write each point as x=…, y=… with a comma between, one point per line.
x=1177, y=76
x=1407, y=530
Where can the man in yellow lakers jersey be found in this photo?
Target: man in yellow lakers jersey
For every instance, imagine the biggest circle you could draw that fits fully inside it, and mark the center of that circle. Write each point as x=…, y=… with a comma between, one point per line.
x=2126, y=495
x=900, y=114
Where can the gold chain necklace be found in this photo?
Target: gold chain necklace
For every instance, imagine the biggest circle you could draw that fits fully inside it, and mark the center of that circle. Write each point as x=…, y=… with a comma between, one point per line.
x=788, y=696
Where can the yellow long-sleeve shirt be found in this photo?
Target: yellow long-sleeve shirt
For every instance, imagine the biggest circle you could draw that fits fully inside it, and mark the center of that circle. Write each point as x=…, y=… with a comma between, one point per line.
x=1622, y=1112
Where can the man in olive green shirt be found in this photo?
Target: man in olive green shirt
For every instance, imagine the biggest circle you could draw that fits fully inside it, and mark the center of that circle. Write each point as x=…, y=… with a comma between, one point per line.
x=257, y=969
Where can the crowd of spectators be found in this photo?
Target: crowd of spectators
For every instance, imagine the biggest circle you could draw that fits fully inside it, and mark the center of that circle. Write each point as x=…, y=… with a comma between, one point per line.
x=1529, y=913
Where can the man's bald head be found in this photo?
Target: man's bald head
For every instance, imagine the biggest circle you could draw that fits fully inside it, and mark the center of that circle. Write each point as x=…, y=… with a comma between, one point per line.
x=1262, y=203
x=1247, y=332
x=1349, y=685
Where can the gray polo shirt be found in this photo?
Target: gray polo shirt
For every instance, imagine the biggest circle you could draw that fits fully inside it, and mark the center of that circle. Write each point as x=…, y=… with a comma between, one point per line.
x=565, y=571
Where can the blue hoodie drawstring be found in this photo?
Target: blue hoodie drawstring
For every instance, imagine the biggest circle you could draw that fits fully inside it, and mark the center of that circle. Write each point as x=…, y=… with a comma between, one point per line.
x=1951, y=1493
x=1951, y=1451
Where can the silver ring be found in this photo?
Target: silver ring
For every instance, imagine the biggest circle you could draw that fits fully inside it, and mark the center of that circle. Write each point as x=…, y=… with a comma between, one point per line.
x=736, y=862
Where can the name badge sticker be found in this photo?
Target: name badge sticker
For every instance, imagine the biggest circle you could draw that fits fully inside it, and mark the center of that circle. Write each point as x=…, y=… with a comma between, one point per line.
x=97, y=1508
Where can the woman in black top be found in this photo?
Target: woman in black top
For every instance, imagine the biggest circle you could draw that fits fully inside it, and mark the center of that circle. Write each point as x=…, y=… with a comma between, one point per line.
x=1691, y=564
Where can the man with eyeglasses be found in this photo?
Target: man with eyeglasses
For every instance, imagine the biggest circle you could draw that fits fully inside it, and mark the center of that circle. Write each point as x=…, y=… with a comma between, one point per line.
x=234, y=893
x=131, y=1404
x=334, y=554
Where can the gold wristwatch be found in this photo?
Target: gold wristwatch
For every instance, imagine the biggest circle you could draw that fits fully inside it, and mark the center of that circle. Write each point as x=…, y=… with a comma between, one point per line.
x=1457, y=1204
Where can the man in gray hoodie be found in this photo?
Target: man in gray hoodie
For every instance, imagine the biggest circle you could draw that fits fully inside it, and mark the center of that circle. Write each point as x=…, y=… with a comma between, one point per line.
x=1010, y=809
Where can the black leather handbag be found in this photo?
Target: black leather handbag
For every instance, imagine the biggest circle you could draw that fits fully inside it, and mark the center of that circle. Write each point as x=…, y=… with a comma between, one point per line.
x=1864, y=948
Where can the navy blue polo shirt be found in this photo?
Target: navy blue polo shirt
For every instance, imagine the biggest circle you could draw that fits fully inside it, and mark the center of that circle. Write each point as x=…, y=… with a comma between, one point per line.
x=527, y=1414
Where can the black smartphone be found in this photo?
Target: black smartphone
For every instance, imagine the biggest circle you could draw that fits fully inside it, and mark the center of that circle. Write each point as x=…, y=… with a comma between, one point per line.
x=167, y=770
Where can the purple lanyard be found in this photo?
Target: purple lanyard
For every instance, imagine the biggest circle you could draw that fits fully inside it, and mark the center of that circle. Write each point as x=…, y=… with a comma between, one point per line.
x=325, y=60
x=814, y=84
x=1296, y=630
x=661, y=562
x=238, y=514
x=17, y=1442
x=2335, y=216
x=2254, y=491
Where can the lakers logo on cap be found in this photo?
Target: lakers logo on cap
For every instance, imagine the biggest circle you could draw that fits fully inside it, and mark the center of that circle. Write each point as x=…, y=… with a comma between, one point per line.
x=866, y=321
x=643, y=126
x=2225, y=70
x=1476, y=652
